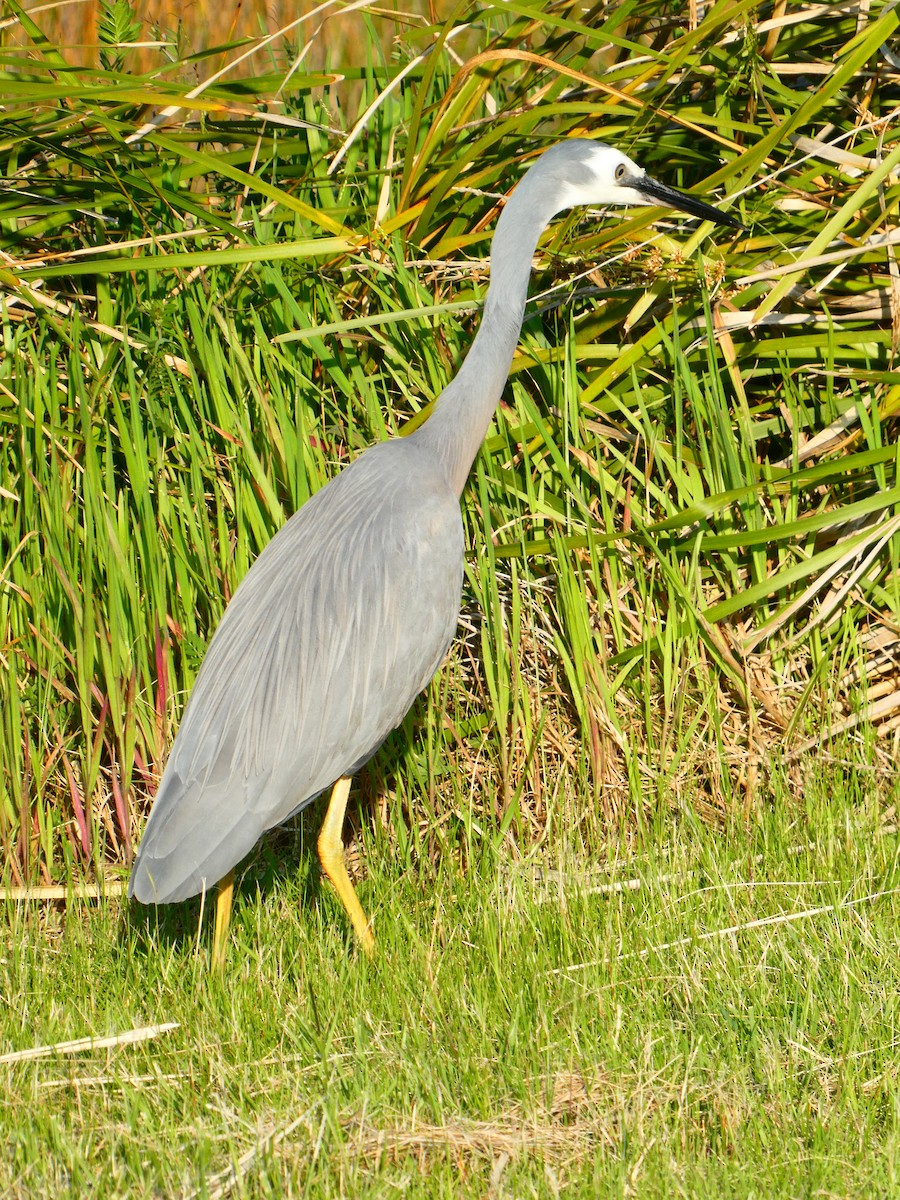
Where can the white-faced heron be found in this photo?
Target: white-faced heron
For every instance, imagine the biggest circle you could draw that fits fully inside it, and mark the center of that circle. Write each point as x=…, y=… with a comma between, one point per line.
x=348, y=612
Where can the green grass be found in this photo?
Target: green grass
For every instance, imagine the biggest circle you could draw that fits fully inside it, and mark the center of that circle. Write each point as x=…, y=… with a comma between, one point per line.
x=705, y=1016
x=631, y=857
x=684, y=546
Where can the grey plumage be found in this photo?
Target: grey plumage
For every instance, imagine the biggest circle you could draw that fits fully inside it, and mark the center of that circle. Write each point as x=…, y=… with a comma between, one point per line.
x=348, y=612
x=311, y=667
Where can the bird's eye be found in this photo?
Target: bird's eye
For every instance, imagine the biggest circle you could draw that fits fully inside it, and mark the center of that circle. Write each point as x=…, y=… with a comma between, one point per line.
x=620, y=171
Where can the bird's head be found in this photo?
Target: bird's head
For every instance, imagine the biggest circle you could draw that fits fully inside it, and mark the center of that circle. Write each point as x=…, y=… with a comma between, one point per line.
x=588, y=172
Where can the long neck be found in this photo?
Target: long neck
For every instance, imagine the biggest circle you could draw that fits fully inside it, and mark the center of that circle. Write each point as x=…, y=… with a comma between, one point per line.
x=463, y=411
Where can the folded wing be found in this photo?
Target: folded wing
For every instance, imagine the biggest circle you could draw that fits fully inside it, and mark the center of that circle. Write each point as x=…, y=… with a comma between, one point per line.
x=340, y=623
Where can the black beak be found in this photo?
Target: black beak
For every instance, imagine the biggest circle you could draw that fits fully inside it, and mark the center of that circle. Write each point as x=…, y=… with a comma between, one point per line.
x=658, y=193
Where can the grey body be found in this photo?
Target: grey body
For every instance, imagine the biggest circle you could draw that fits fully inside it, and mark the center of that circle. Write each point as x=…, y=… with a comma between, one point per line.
x=319, y=655
x=348, y=612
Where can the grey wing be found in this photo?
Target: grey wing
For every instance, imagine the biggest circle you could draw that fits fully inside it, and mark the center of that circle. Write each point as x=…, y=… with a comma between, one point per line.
x=338, y=626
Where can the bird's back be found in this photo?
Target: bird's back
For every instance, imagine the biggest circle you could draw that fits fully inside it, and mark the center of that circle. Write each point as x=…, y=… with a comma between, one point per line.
x=340, y=623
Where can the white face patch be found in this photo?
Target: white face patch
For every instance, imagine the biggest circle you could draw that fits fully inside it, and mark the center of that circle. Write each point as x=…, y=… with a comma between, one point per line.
x=607, y=165
x=608, y=173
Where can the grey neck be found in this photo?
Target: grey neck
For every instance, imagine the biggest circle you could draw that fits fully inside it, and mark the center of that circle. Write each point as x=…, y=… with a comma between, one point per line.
x=463, y=411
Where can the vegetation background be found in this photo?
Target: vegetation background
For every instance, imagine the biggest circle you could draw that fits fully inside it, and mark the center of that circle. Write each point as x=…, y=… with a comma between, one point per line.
x=234, y=254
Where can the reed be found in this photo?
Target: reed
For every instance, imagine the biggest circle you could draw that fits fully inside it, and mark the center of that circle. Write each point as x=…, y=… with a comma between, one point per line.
x=684, y=523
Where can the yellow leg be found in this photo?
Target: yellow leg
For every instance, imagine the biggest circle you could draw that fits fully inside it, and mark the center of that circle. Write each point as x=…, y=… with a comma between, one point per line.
x=223, y=918
x=331, y=856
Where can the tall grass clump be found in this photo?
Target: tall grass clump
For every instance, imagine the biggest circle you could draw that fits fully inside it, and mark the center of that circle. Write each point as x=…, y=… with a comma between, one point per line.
x=224, y=275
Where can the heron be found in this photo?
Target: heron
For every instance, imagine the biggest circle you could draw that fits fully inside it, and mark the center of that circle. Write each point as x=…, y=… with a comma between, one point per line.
x=348, y=612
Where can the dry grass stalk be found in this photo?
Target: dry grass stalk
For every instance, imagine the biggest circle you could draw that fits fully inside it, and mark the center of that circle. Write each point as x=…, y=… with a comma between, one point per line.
x=90, y=1044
